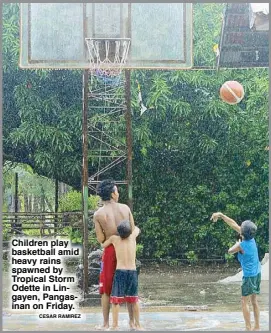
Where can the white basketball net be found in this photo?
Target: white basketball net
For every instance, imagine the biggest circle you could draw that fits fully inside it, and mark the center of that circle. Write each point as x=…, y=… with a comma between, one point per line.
x=108, y=55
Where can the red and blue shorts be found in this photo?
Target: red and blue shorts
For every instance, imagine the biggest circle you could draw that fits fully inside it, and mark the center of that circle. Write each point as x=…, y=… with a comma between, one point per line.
x=108, y=267
x=125, y=287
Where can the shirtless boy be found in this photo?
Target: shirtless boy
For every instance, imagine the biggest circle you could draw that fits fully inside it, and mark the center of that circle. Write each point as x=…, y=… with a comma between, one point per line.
x=106, y=220
x=125, y=285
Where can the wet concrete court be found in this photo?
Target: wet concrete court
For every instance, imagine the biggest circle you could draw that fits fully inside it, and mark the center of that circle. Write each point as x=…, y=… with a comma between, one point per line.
x=151, y=321
x=182, y=299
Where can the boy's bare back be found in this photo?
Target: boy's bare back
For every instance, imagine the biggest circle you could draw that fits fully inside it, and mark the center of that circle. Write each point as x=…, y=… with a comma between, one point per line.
x=108, y=217
x=125, y=250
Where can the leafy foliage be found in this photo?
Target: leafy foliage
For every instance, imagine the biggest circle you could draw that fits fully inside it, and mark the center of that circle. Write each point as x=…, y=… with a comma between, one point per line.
x=32, y=188
x=192, y=153
x=72, y=201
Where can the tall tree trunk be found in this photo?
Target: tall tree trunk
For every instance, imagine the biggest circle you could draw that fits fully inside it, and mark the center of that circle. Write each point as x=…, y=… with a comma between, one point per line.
x=35, y=204
x=61, y=188
x=42, y=208
x=50, y=206
x=42, y=200
x=26, y=202
x=30, y=203
x=18, y=223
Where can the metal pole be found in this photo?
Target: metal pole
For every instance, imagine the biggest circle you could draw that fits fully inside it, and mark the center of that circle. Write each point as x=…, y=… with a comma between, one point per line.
x=85, y=179
x=56, y=206
x=129, y=136
x=16, y=203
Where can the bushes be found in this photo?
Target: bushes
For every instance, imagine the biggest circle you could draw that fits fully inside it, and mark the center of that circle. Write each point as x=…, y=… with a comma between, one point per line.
x=192, y=153
x=205, y=158
x=72, y=201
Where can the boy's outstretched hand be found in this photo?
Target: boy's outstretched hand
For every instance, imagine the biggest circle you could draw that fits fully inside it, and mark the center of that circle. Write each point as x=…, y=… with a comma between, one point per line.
x=215, y=216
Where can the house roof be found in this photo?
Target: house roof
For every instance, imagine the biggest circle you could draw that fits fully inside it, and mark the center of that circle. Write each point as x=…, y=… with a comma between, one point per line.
x=244, y=40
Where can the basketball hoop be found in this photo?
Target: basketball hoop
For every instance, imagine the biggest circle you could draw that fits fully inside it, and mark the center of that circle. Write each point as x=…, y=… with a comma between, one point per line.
x=107, y=57
x=106, y=34
x=111, y=77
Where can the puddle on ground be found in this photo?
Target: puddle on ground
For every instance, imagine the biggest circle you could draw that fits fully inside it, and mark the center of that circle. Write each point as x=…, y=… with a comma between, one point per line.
x=150, y=321
x=192, y=293
x=168, y=287
x=183, y=287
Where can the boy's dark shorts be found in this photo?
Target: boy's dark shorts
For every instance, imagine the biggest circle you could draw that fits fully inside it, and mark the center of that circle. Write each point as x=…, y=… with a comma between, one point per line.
x=251, y=285
x=125, y=287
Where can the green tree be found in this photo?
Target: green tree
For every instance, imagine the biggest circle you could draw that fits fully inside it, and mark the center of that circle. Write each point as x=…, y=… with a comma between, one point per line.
x=192, y=153
x=42, y=112
x=31, y=188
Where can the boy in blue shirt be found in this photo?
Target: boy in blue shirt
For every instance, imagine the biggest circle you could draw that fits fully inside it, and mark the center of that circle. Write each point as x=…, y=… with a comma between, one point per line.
x=251, y=266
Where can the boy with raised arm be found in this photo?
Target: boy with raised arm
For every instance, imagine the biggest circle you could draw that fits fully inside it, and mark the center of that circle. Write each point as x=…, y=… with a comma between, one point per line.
x=251, y=266
x=125, y=284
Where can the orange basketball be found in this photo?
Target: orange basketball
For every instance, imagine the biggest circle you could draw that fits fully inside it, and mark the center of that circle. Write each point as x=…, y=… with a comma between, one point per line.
x=232, y=92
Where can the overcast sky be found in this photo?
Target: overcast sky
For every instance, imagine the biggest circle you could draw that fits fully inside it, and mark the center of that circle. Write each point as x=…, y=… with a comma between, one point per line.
x=261, y=7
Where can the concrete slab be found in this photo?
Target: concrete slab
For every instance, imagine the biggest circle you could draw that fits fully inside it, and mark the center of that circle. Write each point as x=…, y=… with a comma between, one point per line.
x=151, y=321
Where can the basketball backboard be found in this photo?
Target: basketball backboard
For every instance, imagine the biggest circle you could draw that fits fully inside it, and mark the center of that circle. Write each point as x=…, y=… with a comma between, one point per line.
x=53, y=34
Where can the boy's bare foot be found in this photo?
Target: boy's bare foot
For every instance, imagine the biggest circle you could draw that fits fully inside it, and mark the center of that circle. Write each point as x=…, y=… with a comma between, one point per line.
x=248, y=329
x=139, y=328
x=113, y=328
x=256, y=329
x=101, y=327
x=132, y=326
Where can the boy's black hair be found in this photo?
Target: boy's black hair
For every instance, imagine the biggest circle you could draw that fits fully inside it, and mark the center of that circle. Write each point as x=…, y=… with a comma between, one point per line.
x=105, y=189
x=124, y=229
x=248, y=229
